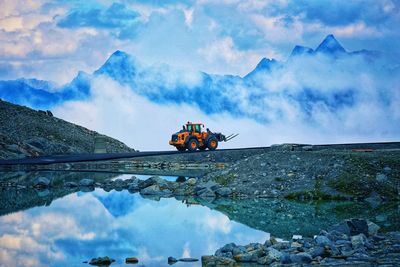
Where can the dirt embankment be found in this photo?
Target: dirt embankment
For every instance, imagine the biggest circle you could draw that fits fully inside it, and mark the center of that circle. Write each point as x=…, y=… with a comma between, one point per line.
x=27, y=132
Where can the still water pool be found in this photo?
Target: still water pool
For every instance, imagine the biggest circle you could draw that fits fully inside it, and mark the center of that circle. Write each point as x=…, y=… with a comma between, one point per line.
x=80, y=226
x=60, y=227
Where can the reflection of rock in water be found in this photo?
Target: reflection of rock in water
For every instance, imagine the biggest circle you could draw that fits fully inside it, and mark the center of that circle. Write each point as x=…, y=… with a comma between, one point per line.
x=14, y=199
x=284, y=218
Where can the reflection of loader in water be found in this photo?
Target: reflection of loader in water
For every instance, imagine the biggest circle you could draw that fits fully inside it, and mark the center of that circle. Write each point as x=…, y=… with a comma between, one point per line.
x=192, y=137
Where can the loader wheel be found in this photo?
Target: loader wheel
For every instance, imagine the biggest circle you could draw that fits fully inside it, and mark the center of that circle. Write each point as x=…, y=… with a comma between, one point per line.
x=192, y=145
x=181, y=148
x=212, y=143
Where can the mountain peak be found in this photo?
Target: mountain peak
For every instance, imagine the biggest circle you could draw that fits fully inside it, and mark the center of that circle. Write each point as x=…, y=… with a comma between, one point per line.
x=301, y=50
x=330, y=45
x=120, y=66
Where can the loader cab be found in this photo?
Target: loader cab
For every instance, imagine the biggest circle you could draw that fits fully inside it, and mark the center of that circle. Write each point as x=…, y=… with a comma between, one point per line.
x=194, y=127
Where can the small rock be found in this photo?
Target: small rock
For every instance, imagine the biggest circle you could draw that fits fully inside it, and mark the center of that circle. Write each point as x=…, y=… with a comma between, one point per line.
x=380, y=177
x=207, y=192
x=323, y=241
x=172, y=260
x=71, y=184
x=273, y=255
x=101, y=261
x=131, y=260
x=191, y=181
x=212, y=261
x=41, y=182
x=188, y=260
x=223, y=191
x=301, y=258
x=134, y=186
x=358, y=241
x=387, y=169
x=86, y=182
x=373, y=228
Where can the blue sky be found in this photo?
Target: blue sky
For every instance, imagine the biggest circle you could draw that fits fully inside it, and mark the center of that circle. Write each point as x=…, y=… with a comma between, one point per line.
x=53, y=40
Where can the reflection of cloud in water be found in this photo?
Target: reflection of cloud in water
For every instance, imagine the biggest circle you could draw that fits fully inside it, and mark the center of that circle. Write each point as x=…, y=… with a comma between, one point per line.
x=79, y=227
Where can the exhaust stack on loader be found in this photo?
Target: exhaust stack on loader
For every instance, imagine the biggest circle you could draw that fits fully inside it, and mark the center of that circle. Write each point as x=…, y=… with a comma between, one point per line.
x=193, y=137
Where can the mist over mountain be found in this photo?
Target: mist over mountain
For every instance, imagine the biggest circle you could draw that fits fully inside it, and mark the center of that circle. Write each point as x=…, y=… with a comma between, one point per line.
x=324, y=87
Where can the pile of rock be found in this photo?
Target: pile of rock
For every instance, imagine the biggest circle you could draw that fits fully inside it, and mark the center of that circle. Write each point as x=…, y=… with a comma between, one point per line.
x=352, y=242
x=153, y=186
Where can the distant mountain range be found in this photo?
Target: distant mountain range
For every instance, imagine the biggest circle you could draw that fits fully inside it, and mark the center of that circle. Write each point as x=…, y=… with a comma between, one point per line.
x=210, y=93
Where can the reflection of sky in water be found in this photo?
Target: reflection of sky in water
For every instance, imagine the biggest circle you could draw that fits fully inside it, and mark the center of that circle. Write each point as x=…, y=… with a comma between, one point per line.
x=117, y=224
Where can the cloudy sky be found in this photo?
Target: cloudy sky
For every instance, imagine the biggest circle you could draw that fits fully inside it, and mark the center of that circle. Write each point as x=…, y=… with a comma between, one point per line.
x=52, y=40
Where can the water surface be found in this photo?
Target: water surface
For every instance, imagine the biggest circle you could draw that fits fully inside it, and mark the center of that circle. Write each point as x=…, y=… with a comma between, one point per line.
x=64, y=227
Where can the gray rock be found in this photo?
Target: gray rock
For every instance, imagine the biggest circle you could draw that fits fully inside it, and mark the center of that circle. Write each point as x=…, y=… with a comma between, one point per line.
x=191, y=181
x=239, y=250
x=307, y=148
x=213, y=261
x=223, y=192
x=246, y=257
x=153, y=180
x=172, y=260
x=285, y=259
x=134, y=186
x=323, y=240
x=207, y=192
x=373, y=228
x=71, y=184
x=301, y=258
x=380, y=177
x=188, y=259
x=273, y=255
x=155, y=190
x=101, y=261
x=41, y=182
x=387, y=169
x=86, y=182
x=228, y=247
x=358, y=241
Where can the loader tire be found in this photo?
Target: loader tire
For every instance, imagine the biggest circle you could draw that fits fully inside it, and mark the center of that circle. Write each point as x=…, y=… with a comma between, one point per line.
x=192, y=145
x=212, y=143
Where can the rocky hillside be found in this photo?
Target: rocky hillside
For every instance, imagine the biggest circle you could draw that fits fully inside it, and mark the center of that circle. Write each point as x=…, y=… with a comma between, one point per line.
x=26, y=132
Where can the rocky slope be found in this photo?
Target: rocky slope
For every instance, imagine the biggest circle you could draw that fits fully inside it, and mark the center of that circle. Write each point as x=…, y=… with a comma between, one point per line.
x=27, y=132
x=322, y=174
